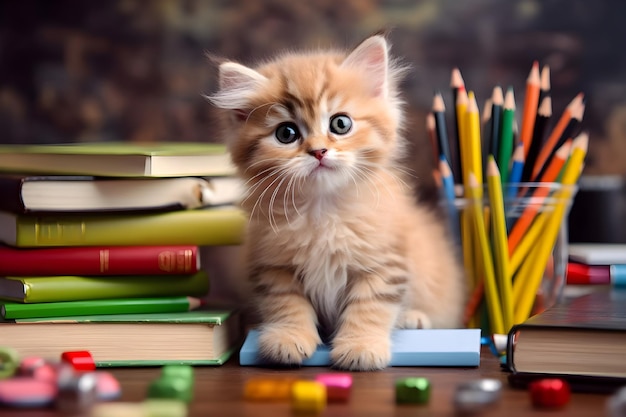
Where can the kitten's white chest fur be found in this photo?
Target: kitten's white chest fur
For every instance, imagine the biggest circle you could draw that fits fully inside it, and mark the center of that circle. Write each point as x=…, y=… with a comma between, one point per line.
x=326, y=247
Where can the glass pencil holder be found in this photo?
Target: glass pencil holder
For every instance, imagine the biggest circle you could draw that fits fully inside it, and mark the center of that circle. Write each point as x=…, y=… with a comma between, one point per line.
x=513, y=242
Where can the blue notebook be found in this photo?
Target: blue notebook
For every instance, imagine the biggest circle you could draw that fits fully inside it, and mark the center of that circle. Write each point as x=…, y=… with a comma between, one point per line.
x=422, y=347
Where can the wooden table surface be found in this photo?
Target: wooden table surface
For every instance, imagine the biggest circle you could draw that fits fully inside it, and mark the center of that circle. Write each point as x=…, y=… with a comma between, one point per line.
x=218, y=392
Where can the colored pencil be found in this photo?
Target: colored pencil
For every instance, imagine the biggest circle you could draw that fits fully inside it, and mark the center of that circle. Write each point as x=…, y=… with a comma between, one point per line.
x=494, y=308
x=472, y=127
x=557, y=131
x=506, y=136
x=498, y=230
x=516, y=173
x=447, y=181
x=497, y=100
x=461, y=109
x=544, y=113
x=456, y=83
x=531, y=102
x=432, y=137
x=439, y=110
x=545, y=85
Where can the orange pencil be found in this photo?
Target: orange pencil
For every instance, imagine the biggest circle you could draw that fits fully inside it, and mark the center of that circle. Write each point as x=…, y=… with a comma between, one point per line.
x=550, y=175
x=531, y=102
x=551, y=143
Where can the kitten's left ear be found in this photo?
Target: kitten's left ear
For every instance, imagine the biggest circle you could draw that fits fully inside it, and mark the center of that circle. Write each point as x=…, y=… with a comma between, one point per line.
x=371, y=56
x=238, y=84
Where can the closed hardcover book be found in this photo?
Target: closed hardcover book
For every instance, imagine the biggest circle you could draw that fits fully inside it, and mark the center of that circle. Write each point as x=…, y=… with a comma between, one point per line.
x=99, y=260
x=582, y=340
x=144, y=305
x=25, y=194
x=201, y=337
x=222, y=225
x=74, y=288
x=409, y=347
x=118, y=159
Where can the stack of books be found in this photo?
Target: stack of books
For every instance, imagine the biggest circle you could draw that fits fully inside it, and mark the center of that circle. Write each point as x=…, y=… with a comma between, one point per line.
x=100, y=251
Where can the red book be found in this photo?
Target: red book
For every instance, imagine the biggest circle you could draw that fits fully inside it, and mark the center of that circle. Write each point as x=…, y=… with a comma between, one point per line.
x=94, y=260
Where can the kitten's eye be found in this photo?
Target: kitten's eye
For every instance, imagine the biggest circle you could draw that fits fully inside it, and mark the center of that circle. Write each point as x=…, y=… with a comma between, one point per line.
x=287, y=133
x=340, y=124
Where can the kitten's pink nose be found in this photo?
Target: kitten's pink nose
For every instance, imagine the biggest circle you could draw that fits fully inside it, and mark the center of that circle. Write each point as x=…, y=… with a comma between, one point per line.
x=318, y=153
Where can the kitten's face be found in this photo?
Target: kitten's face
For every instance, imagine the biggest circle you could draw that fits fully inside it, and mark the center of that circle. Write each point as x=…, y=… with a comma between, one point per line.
x=312, y=122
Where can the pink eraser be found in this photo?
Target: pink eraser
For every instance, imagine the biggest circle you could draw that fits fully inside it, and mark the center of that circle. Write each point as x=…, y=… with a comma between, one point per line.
x=37, y=367
x=107, y=386
x=27, y=392
x=338, y=385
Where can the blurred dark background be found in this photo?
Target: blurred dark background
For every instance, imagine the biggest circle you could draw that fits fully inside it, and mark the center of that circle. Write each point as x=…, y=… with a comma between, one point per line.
x=133, y=70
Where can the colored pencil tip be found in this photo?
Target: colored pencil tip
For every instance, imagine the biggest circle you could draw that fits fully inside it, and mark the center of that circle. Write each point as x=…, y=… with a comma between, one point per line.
x=497, y=96
x=456, y=79
x=582, y=141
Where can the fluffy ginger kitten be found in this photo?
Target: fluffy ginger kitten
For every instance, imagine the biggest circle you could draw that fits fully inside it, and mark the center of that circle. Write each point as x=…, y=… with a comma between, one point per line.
x=335, y=244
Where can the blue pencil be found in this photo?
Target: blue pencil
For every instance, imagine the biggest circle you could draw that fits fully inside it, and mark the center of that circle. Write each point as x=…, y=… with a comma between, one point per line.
x=447, y=180
x=517, y=167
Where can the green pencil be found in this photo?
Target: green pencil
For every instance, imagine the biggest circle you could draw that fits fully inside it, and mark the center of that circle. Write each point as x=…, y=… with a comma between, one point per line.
x=11, y=310
x=505, y=150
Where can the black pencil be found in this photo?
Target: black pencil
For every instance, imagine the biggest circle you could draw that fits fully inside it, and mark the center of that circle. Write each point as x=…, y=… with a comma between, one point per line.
x=456, y=83
x=497, y=100
x=439, y=110
x=543, y=117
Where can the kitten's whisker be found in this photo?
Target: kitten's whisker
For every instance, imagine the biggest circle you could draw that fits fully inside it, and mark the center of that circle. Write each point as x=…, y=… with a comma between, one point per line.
x=273, y=200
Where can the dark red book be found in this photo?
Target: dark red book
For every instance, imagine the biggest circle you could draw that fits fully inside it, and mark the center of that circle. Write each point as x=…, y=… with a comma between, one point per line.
x=99, y=260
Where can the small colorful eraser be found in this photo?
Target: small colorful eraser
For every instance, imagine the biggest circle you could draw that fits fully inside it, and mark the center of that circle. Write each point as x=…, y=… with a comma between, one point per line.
x=412, y=390
x=9, y=362
x=37, y=367
x=156, y=407
x=117, y=409
x=178, y=371
x=475, y=395
x=616, y=404
x=27, y=392
x=338, y=386
x=268, y=389
x=179, y=389
x=76, y=391
x=308, y=397
x=549, y=393
x=81, y=360
x=107, y=386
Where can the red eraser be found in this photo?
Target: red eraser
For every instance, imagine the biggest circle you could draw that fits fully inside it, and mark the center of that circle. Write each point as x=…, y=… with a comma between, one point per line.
x=81, y=360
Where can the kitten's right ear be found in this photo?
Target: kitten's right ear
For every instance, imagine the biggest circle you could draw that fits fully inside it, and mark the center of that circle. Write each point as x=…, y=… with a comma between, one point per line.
x=237, y=84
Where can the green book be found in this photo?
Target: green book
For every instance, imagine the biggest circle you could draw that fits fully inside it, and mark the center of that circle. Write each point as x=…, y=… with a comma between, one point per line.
x=201, y=337
x=15, y=310
x=222, y=225
x=118, y=159
x=75, y=288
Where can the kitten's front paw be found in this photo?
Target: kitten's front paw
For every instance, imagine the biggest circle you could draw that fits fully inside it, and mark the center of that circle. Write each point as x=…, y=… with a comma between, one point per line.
x=287, y=345
x=361, y=354
x=413, y=319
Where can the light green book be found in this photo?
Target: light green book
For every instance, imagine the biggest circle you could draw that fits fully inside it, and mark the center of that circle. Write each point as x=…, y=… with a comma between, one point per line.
x=118, y=159
x=201, y=337
x=145, y=305
x=75, y=288
x=222, y=225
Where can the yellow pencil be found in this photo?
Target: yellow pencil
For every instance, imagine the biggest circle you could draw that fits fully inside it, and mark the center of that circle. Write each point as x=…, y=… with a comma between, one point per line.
x=494, y=308
x=501, y=247
x=530, y=275
x=461, y=109
x=472, y=128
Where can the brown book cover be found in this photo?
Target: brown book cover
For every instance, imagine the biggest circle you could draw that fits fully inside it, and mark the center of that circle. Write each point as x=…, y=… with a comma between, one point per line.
x=582, y=340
